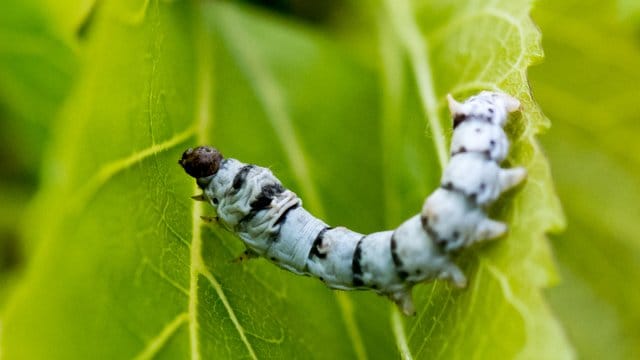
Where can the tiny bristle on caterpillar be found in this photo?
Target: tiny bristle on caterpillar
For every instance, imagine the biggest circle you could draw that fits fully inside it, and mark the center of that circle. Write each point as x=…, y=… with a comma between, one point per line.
x=272, y=222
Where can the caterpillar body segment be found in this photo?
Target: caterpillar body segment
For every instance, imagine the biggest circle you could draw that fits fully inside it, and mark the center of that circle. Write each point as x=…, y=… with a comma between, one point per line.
x=454, y=214
x=271, y=221
x=489, y=106
x=488, y=180
x=480, y=137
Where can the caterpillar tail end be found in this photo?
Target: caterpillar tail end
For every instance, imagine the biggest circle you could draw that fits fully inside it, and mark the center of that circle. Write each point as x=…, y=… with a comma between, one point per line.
x=245, y=256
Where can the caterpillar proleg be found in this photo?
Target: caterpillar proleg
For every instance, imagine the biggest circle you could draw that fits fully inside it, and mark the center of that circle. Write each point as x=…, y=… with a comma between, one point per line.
x=270, y=219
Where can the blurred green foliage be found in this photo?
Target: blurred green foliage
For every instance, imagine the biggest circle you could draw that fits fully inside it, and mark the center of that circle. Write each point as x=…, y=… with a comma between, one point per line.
x=99, y=98
x=36, y=73
x=588, y=86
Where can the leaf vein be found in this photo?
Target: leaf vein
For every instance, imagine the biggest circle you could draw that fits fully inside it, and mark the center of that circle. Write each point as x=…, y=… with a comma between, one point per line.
x=164, y=276
x=159, y=341
x=227, y=306
x=109, y=170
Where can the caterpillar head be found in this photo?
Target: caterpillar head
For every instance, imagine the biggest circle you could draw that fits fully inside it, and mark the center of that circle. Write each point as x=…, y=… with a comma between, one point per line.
x=201, y=162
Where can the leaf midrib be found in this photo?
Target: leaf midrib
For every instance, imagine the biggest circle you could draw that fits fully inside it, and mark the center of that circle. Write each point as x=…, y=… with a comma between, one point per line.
x=204, y=119
x=271, y=96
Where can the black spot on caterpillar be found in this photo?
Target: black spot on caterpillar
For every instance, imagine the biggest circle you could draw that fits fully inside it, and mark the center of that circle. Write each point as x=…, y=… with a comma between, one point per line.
x=271, y=222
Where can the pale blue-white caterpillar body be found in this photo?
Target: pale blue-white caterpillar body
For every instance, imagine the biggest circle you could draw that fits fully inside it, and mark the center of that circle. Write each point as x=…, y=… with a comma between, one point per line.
x=270, y=219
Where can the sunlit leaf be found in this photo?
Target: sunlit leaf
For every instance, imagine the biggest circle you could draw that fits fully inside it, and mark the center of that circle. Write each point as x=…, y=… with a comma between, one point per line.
x=127, y=268
x=461, y=49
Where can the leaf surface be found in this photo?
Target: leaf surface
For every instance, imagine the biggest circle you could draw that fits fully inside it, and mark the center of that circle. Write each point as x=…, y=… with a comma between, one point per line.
x=461, y=49
x=126, y=268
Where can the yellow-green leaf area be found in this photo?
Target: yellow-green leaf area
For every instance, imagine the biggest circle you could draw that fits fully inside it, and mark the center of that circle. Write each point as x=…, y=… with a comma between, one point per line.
x=461, y=49
x=126, y=268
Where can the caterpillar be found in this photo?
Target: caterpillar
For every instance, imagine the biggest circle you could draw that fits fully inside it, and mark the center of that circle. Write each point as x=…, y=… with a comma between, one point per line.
x=270, y=220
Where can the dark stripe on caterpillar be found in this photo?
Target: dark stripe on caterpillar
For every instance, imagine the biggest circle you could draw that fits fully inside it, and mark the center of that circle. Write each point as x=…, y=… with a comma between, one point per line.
x=447, y=186
x=241, y=177
x=283, y=217
x=356, y=269
x=402, y=274
x=471, y=196
x=441, y=243
x=458, y=119
x=263, y=200
x=317, y=244
x=459, y=151
x=394, y=256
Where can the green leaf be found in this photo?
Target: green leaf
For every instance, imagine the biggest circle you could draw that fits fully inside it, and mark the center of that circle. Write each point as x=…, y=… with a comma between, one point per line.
x=461, y=49
x=122, y=255
x=591, y=95
x=125, y=267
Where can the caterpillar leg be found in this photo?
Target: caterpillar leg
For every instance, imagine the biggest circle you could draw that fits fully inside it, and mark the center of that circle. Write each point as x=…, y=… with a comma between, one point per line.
x=489, y=229
x=453, y=274
x=510, y=103
x=200, y=197
x=209, y=219
x=246, y=255
x=509, y=178
x=404, y=300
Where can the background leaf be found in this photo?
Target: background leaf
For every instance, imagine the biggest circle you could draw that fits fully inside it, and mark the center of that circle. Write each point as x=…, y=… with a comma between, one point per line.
x=124, y=262
x=588, y=86
x=120, y=250
x=36, y=63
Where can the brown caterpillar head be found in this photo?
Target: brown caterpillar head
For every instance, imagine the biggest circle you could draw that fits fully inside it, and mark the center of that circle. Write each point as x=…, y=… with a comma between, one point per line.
x=201, y=162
